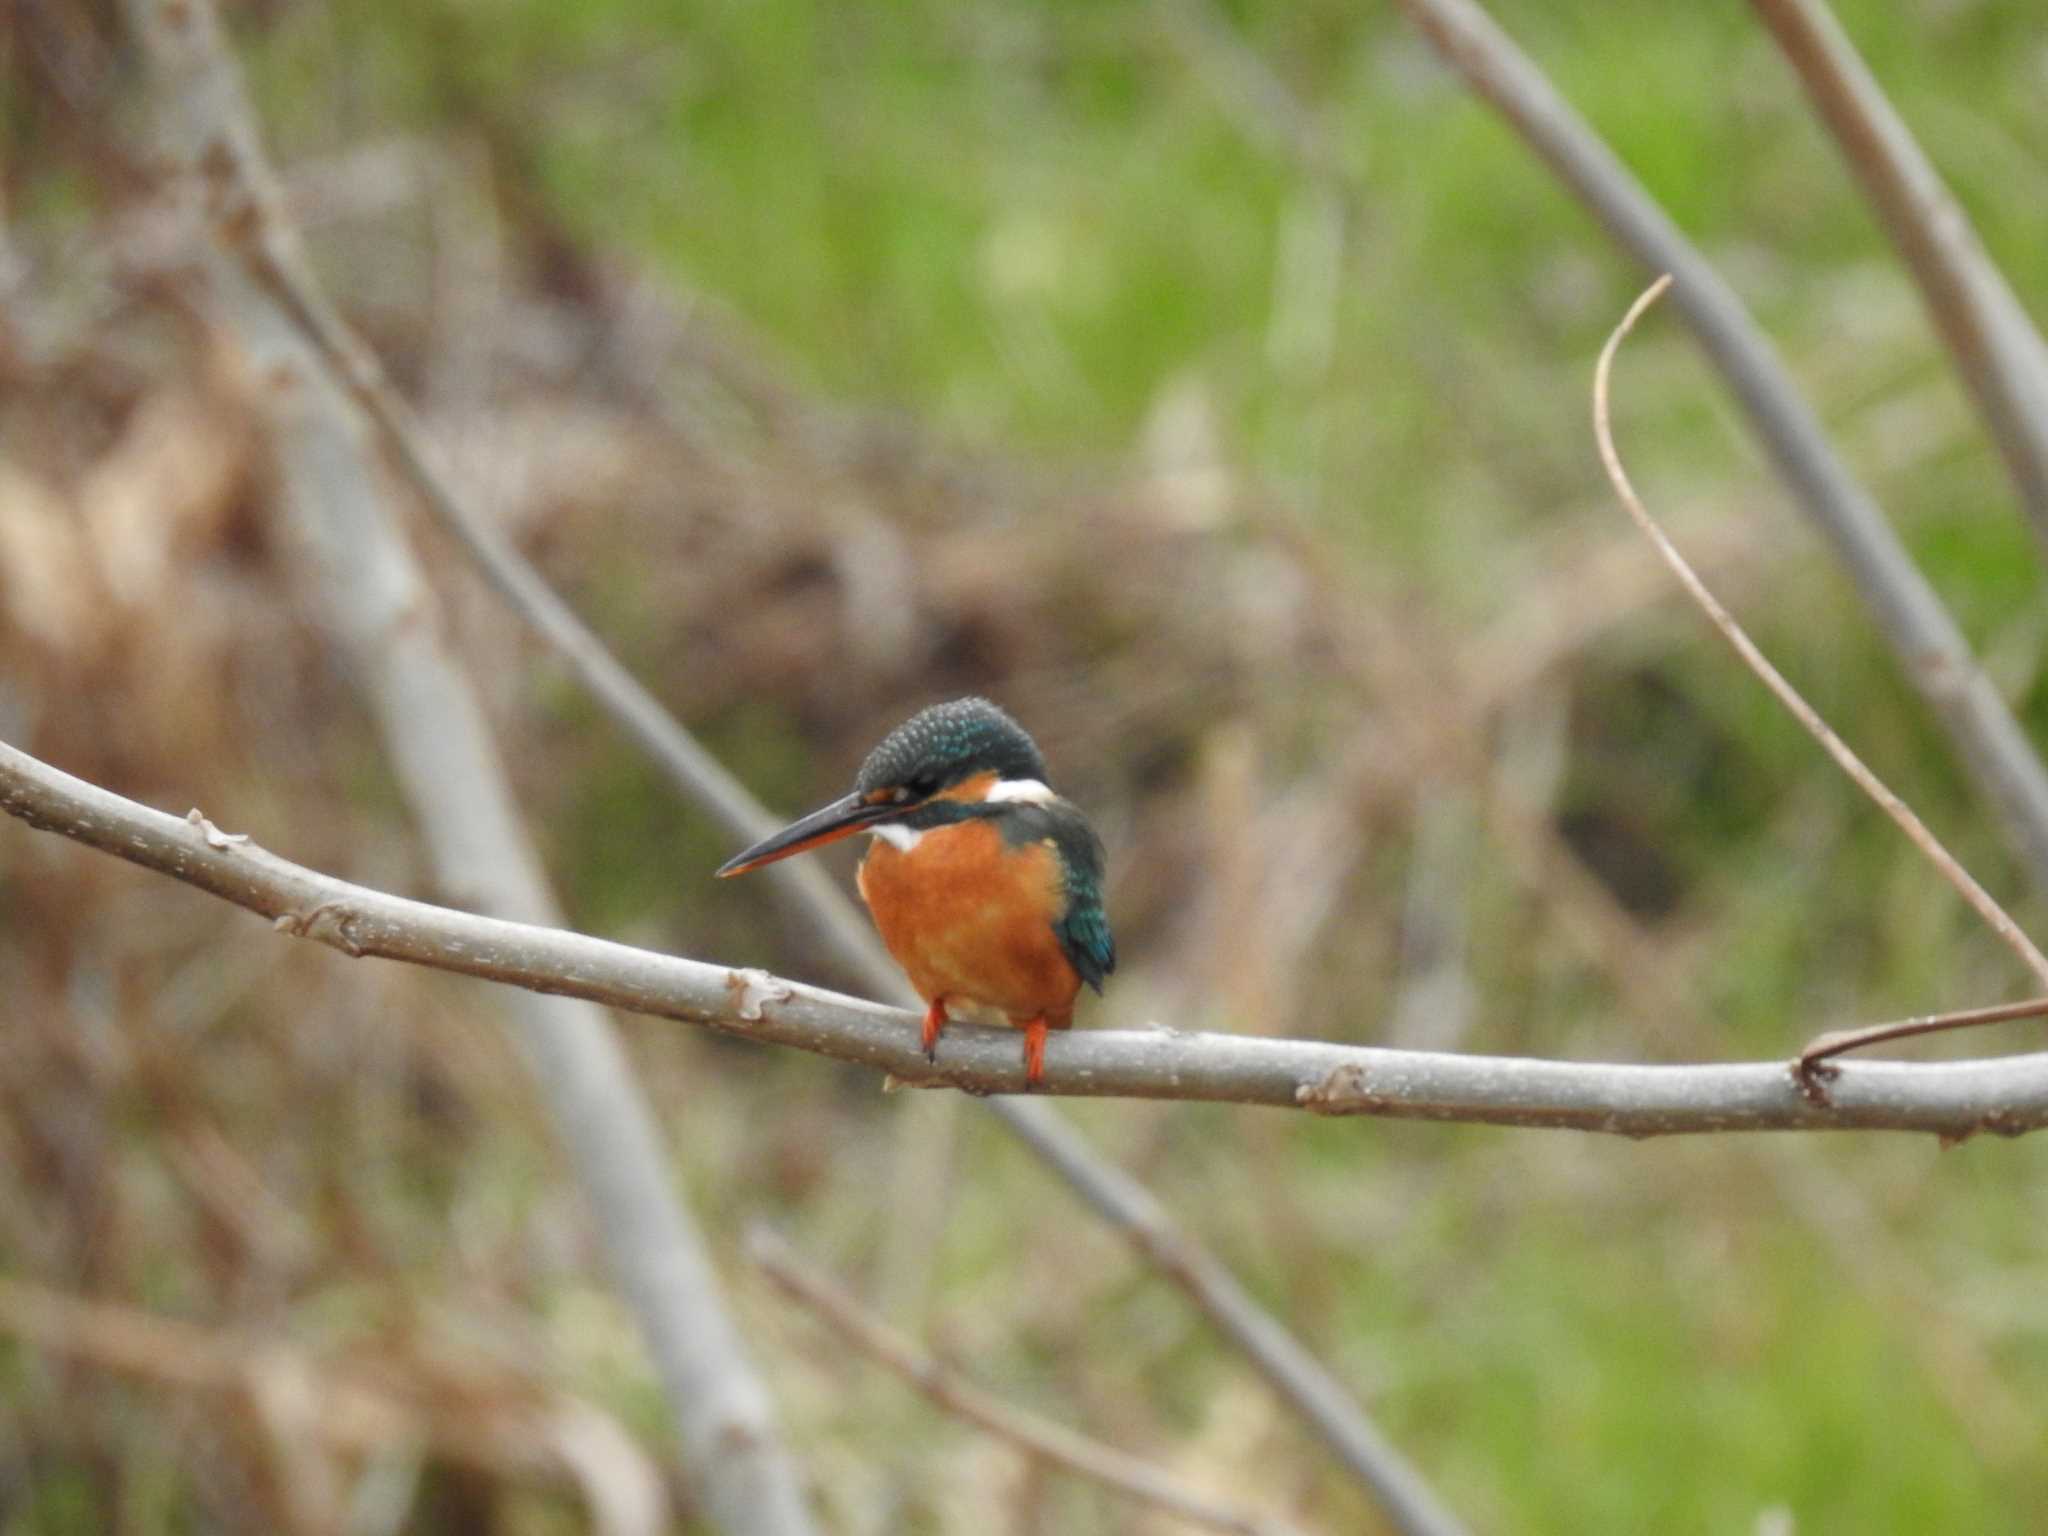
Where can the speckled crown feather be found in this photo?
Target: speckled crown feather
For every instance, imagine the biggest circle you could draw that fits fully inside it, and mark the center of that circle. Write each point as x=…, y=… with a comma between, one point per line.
x=951, y=742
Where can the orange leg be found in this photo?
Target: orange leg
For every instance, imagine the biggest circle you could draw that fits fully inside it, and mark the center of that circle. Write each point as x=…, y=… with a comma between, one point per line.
x=1034, y=1053
x=934, y=1021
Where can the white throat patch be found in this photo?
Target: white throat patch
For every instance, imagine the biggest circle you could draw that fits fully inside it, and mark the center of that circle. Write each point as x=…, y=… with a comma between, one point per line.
x=1021, y=789
x=900, y=838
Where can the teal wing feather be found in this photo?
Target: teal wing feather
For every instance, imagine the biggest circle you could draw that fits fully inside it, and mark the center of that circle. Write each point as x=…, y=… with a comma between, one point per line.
x=1084, y=935
x=1083, y=926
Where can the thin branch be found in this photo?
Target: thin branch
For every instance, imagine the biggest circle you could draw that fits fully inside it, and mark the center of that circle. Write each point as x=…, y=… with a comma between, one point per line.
x=1293, y=1371
x=1996, y=346
x=1995, y=917
x=380, y=612
x=1921, y=631
x=2008, y=1095
x=1836, y=1042
x=849, y=1321
x=808, y=892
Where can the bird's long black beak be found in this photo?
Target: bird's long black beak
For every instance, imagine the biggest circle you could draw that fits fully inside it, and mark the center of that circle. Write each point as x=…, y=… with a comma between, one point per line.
x=825, y=825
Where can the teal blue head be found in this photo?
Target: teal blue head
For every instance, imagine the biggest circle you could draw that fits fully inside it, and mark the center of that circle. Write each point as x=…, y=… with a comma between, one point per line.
x=927, y=758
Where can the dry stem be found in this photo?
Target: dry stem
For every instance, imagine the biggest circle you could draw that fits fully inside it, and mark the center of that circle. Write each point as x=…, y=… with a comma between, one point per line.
x=848, y=1320
x=1995, y=916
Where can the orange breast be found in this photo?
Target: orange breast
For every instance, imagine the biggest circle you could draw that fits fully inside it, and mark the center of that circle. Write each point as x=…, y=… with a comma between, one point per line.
x=969, y=919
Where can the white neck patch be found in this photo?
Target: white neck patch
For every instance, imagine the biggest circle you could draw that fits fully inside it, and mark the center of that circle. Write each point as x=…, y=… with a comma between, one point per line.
x=903, y=838
x=1020, y=789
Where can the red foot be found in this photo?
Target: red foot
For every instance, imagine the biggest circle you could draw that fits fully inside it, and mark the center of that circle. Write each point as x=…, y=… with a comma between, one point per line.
x=1034, y=1053
x=934, y=1021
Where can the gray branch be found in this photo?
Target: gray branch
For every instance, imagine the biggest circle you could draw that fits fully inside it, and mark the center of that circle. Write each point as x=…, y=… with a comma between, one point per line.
x=2008, y=1095
x=383, y=617
x=1921, y=631
x=1987, y=330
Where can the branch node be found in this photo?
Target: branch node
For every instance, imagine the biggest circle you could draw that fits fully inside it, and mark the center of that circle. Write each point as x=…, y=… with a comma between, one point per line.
x=753, y=990
x=1338, y=1091
x=1811, y=1075
x=2004, y=1123
x=215, y=838
x=340, y=932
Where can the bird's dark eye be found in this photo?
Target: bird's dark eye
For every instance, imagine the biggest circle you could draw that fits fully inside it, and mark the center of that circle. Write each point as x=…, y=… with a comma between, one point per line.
x=922, y=786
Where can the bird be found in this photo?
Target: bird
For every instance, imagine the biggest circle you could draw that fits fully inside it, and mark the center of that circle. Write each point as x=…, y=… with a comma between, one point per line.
x=985, y=885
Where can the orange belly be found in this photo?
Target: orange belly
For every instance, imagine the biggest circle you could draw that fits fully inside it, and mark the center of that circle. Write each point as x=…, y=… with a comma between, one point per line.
x=969, y=919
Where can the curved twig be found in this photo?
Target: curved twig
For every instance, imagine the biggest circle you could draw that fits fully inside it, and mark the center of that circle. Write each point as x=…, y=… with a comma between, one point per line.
x=1995, y=917
x=1809, y=1064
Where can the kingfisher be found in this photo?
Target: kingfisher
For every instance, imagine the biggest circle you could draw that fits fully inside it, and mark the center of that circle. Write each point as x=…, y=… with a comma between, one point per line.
x=985, y=884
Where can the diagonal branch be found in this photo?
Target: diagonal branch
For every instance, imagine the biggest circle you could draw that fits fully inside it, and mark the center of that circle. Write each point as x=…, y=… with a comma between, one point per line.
x=1953, y=1100
x=382, y=616
x=1921, y=631
x=1293, y=1370
x=1995, y=345
x=834, y=1307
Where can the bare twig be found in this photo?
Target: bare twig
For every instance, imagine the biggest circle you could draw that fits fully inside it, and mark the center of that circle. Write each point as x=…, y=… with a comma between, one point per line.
x=1836, y=1042
x=382, y=614
x=1996, y=347
x=1808, y=1065
x=1925, y=637
x=837, y=1310
x=2008, y=1095
x=1995, y=916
